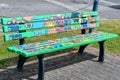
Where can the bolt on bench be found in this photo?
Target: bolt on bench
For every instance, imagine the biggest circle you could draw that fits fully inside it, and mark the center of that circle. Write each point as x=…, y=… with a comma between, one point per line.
x=29, y=26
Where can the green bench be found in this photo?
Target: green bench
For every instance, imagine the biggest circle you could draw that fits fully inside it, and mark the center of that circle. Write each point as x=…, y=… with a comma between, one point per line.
x=35, y=26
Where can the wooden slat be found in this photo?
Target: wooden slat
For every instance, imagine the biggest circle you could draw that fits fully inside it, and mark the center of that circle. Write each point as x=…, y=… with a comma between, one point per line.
x=44, y=47
x=29, y=19
x=16, y=36
x=43, y=24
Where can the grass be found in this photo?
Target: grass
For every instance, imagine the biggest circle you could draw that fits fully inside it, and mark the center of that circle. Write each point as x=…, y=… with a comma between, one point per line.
x=112, y=26
x=8, y=58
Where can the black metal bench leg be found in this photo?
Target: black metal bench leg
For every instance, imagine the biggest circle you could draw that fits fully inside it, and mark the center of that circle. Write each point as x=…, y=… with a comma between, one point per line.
x=41, y=67
x=101, y=53
x=21, y=62
x=81, y=49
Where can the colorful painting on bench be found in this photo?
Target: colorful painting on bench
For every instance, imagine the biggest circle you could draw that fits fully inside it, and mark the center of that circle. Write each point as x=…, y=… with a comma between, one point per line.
x=62, y=42
x=16, y=36
x=59, y=20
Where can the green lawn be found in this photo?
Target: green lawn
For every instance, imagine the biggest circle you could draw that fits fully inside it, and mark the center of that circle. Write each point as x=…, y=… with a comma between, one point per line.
x=114, y=27
x=7, y=58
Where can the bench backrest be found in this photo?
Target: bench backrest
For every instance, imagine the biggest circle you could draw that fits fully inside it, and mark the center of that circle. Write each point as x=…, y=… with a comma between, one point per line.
x=32, y=26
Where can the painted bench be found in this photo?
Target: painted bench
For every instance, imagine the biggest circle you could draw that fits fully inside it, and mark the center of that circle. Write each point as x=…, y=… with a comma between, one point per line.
x=35, y=26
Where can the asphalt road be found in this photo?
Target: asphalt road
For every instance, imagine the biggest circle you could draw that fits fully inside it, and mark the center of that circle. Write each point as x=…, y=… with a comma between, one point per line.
x=9, y=8
x=108, y=9
x=28, y=7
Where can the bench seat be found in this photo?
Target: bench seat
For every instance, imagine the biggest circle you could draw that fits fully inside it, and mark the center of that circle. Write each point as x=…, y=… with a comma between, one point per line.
x=21, y=28
x=37, y=48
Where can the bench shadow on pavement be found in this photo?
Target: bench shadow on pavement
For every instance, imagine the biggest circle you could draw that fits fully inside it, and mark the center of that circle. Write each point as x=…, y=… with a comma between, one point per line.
x=50, y=64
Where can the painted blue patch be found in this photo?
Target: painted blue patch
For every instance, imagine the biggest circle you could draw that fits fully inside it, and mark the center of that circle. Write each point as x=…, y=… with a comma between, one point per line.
x=46, y=31
x=85, y=26
x=13, y=28
x=75, y=15
x=15, y=36
x=57, y=45
x=67, y=20
x=38, y=20
x=88, y=25
x=38, y=33
x=67, y=28
x=39, y=23
x=57, y=22
x=84, y=20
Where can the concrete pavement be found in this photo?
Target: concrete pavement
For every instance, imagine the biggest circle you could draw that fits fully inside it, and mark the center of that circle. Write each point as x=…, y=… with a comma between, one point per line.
x=70, y=66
